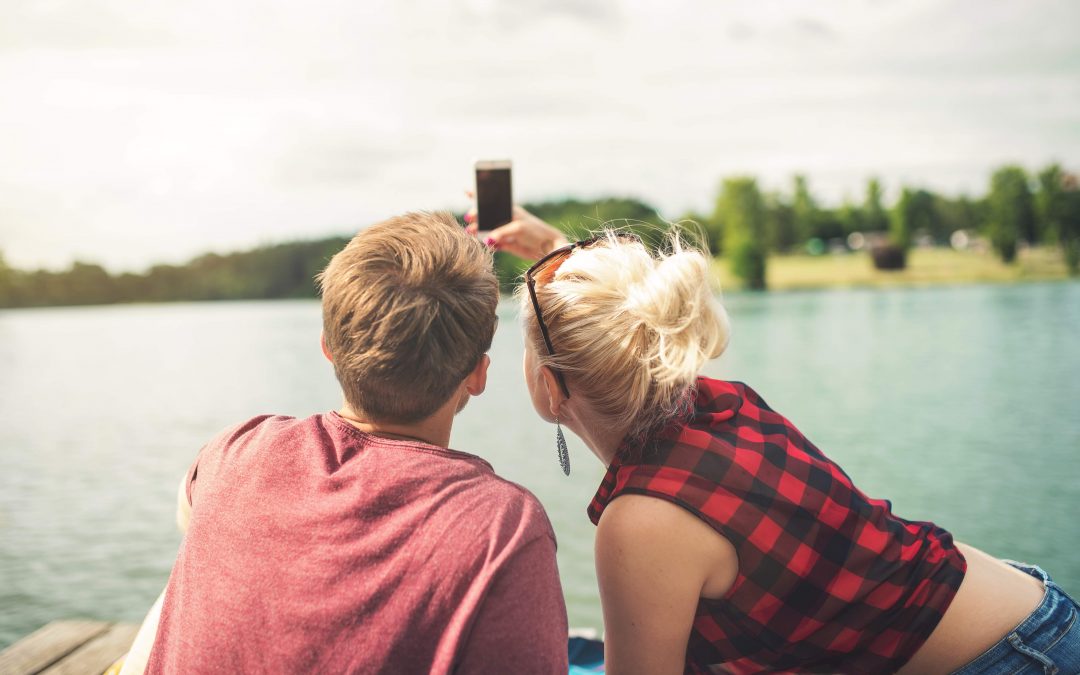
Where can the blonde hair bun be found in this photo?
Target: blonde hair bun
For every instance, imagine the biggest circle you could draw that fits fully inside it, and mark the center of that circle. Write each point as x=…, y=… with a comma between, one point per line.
x=631, y=328
x=675, y=302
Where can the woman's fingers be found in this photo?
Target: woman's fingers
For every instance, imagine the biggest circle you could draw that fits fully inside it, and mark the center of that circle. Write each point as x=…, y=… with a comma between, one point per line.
x=526, y=236
x=523, y=238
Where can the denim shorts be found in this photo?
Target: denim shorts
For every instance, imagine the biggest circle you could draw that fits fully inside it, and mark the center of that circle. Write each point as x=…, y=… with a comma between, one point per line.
x=1048, y=641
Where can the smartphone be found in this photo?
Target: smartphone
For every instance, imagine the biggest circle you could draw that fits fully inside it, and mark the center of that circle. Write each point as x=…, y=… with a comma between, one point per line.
x=494, y=200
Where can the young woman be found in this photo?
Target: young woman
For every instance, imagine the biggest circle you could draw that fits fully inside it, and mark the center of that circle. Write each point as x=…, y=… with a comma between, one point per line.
x=726, y=541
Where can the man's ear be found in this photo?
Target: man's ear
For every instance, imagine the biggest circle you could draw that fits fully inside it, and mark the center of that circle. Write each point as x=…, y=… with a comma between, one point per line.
x=476, y=381
x=555, y=394
x=325, y=349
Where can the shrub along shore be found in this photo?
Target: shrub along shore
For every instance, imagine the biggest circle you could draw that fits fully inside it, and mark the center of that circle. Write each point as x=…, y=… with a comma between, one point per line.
x=925, y=267
x=1024, y=228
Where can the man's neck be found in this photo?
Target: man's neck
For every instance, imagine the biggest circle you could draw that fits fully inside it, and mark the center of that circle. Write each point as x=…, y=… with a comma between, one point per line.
x=434, y=430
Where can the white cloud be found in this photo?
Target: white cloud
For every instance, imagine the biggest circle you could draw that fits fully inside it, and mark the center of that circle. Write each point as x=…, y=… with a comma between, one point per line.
x=139, y=132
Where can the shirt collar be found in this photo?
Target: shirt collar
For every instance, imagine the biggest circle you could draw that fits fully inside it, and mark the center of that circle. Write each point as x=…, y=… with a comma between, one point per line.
x=711, y=402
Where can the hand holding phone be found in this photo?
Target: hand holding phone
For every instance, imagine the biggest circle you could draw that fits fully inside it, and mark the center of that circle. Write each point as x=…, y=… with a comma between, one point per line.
x=494, y=196
x=503, y=226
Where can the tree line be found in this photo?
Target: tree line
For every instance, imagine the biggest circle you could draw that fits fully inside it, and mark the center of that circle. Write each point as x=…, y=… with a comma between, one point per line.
x=1018, y=209
x=280, y=271
x=746, y=225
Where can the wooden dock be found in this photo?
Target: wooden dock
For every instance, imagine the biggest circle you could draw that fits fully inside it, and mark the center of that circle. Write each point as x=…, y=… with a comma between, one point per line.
x=69, y=648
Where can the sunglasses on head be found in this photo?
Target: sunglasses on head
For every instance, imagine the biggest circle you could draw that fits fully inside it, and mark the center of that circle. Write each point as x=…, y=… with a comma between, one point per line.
x=551, y=262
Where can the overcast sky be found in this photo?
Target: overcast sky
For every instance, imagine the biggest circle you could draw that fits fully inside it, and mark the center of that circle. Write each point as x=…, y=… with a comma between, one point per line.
x=138, y=132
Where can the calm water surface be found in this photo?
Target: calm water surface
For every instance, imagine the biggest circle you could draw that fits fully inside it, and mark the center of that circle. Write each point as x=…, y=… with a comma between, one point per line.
x=958, y=404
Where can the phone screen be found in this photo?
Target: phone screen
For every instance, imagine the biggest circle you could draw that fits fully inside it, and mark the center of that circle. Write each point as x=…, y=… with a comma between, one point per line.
x=493, y=195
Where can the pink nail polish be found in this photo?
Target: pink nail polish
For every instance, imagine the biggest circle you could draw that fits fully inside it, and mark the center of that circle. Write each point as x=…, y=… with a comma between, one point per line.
x=490, y=242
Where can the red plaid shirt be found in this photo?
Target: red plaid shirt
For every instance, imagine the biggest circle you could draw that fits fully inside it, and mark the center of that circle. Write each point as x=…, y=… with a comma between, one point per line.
x=829, y=579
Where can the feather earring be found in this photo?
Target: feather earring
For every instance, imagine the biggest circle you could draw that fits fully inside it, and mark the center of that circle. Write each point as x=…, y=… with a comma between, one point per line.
x=560, y=445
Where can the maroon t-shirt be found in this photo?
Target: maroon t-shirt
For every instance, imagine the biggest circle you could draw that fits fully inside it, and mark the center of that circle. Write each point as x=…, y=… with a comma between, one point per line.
x=315, y=547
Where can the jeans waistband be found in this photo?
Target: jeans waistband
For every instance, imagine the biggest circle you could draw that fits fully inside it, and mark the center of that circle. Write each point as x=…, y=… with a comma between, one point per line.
x=1031, y=570
x=1036, y=633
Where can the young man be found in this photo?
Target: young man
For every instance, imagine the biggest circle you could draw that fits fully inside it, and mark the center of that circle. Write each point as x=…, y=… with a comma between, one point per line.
x=356, y=541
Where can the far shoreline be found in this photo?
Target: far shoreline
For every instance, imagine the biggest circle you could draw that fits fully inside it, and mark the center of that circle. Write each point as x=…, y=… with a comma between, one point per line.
x=931, y=267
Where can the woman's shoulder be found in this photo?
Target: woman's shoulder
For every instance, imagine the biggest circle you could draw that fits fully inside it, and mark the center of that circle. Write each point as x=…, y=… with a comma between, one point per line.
x=644, y=525
x=650, y=515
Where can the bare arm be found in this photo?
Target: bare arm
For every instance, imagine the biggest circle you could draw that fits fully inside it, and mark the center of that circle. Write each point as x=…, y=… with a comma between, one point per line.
x=654, y=561
x=139, y=654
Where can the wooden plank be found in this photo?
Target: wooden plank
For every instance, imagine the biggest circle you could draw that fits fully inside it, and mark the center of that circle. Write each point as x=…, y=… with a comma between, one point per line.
x=48, y=644
x=99, y=653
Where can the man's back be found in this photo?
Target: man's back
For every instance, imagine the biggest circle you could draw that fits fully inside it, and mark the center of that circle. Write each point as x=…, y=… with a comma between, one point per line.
x=316, y=547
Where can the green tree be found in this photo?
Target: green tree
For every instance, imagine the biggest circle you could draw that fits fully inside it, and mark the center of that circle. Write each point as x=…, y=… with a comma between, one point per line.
x=780, y=223
x=828, y=224
x=1050, y=202
x=850, y=218
x=579, y=219
x=1011, y=212
x=742, y=212
x=960, y=213
x=901, y=225
x=7, y=283
x=874, y=216
x=1069, y=223
x=804, y=210
x=914, y=214
x=87, y=284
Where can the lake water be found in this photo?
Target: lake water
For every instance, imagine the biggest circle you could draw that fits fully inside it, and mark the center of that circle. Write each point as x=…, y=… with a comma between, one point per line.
x=961, y=405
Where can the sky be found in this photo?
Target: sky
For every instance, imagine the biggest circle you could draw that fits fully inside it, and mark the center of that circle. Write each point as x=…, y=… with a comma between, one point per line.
x=133, y=133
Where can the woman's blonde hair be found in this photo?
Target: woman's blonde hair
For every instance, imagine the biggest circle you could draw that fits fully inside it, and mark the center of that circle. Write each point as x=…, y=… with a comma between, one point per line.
x=630, y=328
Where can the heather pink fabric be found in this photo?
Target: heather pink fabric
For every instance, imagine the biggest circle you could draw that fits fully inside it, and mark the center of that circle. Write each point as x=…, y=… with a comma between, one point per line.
x=316, y=548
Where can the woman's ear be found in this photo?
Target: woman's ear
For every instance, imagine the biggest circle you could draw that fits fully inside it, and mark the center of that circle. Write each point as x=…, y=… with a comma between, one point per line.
x=555, y=396
x=325, y=349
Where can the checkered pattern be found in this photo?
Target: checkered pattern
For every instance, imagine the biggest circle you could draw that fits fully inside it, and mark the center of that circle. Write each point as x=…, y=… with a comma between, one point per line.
x=829, y=579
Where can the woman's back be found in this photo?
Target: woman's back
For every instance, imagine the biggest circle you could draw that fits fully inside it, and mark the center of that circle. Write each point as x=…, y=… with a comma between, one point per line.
x=828, y=578
x=993, y=600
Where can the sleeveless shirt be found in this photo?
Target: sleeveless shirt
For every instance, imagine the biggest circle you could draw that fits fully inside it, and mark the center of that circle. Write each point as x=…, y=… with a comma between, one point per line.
x=829, y=580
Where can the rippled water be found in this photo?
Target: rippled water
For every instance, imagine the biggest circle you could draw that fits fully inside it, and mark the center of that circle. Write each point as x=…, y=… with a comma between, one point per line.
x=958, y=404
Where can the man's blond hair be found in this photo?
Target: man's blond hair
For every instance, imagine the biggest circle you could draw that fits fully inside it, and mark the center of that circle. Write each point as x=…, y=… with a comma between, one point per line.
x=408, y=311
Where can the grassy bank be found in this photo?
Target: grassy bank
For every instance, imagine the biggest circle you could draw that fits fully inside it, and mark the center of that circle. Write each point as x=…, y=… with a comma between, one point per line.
x=926, y=266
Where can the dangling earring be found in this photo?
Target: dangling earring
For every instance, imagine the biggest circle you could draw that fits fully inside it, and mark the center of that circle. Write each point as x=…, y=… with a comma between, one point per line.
x=560, y=445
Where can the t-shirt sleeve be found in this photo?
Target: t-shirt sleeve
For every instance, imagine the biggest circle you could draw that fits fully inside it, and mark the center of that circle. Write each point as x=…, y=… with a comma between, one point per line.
x=521, y=625
x=183, y=503
x=192, y=473
x=204, y=467
x=183, y=494
x=206, y=460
